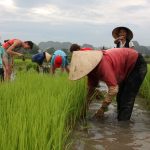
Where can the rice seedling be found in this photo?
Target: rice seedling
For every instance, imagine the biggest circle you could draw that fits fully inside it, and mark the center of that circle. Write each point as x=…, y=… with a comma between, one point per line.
x=145, y=89
x=38, y=111
x=26, y=65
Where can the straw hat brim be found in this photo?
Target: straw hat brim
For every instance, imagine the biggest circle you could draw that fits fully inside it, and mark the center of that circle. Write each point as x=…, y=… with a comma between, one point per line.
x=115, y=32
x=48, y=57
x=83, y=62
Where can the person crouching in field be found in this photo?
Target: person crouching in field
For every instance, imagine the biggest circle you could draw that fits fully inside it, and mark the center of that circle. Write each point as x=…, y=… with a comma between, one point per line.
x=1, y=63
x=122, y=69
x=57, y=60
x=11, y=49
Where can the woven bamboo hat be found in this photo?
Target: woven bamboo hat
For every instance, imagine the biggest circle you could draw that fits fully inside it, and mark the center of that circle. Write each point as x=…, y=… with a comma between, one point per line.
x=115, y=32
x=83, y=62
x=48, y=57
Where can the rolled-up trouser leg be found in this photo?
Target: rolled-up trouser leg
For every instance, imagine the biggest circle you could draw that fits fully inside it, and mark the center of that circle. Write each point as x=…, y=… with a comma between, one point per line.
x=130, y=89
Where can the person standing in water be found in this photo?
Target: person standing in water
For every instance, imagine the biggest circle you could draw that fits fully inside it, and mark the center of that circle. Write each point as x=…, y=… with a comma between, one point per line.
x=11, y=48
x=123, y=70
x=123, y=37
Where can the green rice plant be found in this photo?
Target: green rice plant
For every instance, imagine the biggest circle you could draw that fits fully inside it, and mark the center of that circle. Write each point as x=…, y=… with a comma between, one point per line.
x=18, y=63
x=145, y=89
x=26, y=65
x=38, y=111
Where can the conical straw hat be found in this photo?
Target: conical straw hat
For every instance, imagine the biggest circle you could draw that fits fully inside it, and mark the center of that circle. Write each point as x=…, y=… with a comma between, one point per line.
x=115, y=32
x=47, y=56
x=83, y=62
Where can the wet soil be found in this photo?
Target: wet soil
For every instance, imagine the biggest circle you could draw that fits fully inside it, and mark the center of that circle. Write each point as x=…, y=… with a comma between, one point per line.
x=109, y=134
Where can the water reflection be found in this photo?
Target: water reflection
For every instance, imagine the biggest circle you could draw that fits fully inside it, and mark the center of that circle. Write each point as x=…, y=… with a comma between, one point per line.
x=109, y=134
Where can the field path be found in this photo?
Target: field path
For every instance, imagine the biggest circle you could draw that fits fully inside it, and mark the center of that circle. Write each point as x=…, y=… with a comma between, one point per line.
x=109, y=134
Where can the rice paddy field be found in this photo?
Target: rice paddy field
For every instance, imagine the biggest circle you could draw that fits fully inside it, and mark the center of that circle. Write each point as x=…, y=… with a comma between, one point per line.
x=26, y=65
x=38, y=112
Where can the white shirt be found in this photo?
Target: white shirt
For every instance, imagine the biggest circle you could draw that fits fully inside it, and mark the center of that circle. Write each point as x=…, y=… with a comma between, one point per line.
x=131, y=45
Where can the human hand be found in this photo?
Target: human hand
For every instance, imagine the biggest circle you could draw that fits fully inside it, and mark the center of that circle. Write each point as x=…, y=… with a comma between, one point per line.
x=99, y=114
x=121, y=37
x=19, y=54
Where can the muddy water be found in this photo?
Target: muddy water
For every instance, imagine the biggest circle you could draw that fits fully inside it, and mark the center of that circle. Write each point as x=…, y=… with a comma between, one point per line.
x=109, y=134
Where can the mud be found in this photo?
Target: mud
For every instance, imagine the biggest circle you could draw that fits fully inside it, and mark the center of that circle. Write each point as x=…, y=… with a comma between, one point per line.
x=109, y=134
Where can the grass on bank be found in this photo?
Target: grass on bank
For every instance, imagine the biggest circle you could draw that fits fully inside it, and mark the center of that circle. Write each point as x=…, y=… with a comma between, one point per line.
x=38, y=111
x=145, y=89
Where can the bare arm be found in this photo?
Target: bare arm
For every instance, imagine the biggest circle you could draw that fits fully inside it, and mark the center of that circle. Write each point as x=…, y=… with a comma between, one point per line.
x=62, y=69
x=4, y=64
x=118, y=39
x=67, y=69
x=11, y=49
x=52, y=70
x=112, y=91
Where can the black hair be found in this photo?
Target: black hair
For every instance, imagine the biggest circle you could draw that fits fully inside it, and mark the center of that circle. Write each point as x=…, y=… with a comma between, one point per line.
x=30, y=43
x=6, y=41
x=74, y=47
x=126, y=44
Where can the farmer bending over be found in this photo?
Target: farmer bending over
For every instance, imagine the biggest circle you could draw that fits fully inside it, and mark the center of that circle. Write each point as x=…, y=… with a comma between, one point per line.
x=11, y=49
x=122, y=69
x=57, y=60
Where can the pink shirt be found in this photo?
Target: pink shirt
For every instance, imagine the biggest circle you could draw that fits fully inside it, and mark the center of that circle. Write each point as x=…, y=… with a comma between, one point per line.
x=114, y=67
x=86, y=49
x=7, y=44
